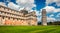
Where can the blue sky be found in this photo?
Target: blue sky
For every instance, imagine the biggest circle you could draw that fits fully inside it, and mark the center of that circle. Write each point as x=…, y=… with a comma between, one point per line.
x=52, y=7
x=39, y=3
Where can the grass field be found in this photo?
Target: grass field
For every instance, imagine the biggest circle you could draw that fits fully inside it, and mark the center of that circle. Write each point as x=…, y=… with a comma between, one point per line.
x=29, y=29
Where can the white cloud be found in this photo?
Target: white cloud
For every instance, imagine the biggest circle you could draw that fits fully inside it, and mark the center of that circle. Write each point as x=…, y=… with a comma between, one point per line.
x=38, y=13
x=51, y=15
x=51, y=9
x=57, y=10
x=58, y=4
x=58, y=15
x=3, y=4
x=51, y=1
x=28, y=4
x=39, y=19
x=50, y=19
x=21, y=8
x=25, y=1
x=13, y=6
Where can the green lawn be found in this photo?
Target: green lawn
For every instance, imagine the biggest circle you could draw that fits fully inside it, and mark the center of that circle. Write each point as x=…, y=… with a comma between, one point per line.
x=29, y=29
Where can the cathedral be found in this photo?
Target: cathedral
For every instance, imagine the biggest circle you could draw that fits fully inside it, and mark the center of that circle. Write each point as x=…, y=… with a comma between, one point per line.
x=13, y=17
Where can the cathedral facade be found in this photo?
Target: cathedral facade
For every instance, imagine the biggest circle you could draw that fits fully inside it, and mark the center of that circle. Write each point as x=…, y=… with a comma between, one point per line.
x=12, y=17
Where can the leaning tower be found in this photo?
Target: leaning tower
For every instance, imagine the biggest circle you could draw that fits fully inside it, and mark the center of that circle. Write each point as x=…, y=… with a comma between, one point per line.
x=44, y=18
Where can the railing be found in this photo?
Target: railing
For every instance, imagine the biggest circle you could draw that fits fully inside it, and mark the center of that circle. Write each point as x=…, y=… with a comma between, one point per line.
x=9, y=11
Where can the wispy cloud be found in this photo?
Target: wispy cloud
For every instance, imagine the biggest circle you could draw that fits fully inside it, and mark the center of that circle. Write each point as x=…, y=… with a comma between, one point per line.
x=28, y=4
x=13, y=6
x=52, y=1
x=3, y=4
x=51, y=9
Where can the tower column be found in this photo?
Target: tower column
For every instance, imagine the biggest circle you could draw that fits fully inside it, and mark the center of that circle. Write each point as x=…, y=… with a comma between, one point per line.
x=44, y=18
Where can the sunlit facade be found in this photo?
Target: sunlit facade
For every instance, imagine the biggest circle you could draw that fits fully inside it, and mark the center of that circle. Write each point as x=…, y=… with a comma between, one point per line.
x=12, y=17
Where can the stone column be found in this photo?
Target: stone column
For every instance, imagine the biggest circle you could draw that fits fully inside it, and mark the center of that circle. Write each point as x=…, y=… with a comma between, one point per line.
x=44, y=18
x=6, y=21
x=0, y=20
